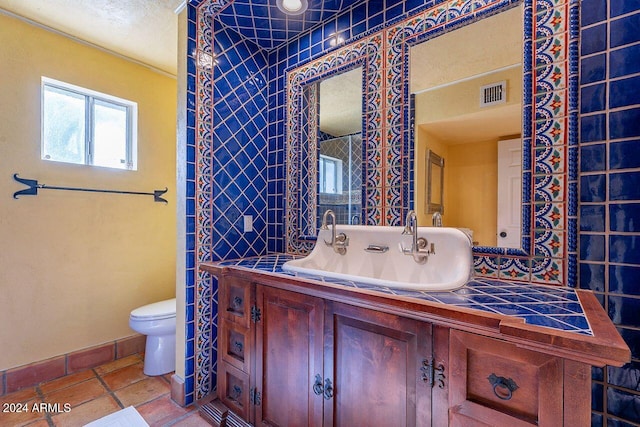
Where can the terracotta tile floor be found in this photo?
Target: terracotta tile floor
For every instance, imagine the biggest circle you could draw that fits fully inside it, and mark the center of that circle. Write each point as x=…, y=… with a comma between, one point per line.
x=88, y=395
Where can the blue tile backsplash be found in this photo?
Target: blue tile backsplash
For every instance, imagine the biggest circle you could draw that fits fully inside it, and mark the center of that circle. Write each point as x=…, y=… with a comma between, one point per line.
x=236, y=158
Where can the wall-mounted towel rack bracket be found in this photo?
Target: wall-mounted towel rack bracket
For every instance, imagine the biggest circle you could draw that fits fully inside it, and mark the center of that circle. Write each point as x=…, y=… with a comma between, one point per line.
x=34, y=186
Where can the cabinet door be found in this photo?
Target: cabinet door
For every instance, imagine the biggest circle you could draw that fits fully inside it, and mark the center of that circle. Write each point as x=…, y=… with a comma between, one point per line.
x=288, y=358
x=374, y=363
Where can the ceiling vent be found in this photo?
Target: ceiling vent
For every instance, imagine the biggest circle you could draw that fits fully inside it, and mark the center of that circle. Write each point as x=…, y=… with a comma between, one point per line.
x=493, y=94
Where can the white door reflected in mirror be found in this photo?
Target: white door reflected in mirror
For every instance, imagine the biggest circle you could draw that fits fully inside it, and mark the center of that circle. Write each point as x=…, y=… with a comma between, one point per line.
x=509, y=193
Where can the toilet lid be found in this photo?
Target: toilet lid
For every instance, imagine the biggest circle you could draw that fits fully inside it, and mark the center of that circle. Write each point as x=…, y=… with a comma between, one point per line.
x=157, y=310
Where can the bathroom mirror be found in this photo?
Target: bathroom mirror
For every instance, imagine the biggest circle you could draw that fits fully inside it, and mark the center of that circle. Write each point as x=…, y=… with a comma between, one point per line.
x=330, y=151
x=435, y=183
x=340, y=146
x=464, y=109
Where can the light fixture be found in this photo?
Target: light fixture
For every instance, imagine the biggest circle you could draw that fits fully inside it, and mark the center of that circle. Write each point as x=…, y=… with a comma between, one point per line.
x=336, y=40
x=292, y=7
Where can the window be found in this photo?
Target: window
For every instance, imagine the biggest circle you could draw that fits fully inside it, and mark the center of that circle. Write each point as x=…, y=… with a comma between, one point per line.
x=330, y=175
x=86, y=127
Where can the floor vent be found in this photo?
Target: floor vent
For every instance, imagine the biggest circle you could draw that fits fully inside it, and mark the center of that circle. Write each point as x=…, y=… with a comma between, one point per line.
x=495, y=93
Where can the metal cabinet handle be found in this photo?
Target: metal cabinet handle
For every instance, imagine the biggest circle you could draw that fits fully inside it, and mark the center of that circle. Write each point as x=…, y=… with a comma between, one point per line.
x=317, y=386
x=235, y=305
x=328, y=389
x=325, y=390
x=503, y=387
x=236, y=393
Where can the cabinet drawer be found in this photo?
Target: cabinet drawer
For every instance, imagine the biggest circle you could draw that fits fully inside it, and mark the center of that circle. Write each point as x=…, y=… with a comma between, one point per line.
x=235, y=344
x=235, y=300
x=492, y=378
x=234, y=389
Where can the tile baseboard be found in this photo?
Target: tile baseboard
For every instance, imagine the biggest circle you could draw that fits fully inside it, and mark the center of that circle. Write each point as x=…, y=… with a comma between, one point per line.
x=16, y=379
x=177, y=389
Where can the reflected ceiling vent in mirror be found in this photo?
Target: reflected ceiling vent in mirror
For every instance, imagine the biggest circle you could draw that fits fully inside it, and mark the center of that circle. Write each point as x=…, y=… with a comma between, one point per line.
x=292, y=7
x=495, y=93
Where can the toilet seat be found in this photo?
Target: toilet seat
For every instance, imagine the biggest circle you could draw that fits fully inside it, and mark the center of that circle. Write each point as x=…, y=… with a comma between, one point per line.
x=156, y=311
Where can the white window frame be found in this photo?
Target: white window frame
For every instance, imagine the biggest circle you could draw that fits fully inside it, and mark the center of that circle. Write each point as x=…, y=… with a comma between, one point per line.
x=131, y=162
x=338, y=181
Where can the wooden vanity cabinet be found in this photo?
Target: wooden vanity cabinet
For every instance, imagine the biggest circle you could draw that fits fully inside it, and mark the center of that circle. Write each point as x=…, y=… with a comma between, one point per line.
x=294, y=353
x=304, y=361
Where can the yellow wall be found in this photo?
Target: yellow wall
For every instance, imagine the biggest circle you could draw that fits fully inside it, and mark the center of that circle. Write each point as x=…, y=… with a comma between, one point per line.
x=73, y=265
x=470, y=182
x=472, y=179
x=463, y=98
x=425, y=142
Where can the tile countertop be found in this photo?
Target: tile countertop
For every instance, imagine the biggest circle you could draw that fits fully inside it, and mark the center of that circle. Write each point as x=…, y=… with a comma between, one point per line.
x=553, y=307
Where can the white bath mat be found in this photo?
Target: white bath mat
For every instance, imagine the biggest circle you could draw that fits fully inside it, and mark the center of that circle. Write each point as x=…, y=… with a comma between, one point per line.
x=127, y=417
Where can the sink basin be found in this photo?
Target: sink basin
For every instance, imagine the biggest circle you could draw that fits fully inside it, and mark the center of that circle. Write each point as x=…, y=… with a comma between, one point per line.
x=366, y=260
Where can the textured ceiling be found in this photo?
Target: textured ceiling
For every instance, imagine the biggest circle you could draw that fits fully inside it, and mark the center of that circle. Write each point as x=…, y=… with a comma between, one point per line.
x=147, y=30
x=144, y=30
x=341, y=103
x=262, y=22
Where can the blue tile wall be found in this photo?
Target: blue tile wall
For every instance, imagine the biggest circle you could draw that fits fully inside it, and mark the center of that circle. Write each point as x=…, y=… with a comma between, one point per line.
x=239, y=145
x=609, y=211
x=226, y=172
x=356, y=21
x=609, y=199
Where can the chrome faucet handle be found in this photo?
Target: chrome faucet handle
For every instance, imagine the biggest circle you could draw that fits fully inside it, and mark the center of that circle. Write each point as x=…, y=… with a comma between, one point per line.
x=339, y=242
x=418, y=244
x=342, y=239
x=325, y=217
x=408, y=229
x=436, y=219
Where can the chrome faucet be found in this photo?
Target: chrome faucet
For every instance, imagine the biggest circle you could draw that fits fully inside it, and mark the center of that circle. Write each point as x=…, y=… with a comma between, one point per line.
x=339, y=242
x=436, y=219
x=418, y=248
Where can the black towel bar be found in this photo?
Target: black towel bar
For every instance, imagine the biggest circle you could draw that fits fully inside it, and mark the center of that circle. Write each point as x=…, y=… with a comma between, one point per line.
x=34, y=186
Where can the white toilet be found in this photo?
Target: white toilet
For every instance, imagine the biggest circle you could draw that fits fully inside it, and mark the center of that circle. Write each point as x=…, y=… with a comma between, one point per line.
x=158, y=322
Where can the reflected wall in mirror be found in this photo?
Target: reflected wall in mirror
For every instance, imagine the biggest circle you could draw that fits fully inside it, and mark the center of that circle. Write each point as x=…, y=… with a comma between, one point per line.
x=340, y=144
x=463, y=109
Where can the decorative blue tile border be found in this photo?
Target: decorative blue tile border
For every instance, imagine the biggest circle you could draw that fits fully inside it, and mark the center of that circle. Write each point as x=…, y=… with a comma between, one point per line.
x=302, y=151
x=227, y=143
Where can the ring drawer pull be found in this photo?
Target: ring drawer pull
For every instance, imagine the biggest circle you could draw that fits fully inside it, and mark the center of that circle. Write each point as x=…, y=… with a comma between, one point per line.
x=328, y=389
x=503, y=387
x=317, y=386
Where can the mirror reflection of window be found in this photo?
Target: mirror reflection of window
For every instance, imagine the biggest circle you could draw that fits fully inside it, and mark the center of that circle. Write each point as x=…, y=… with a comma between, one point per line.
x=340, y=145
x=330, y=175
